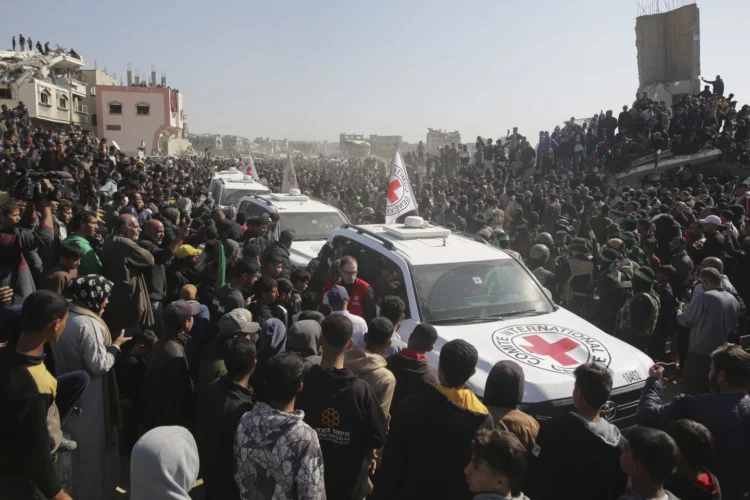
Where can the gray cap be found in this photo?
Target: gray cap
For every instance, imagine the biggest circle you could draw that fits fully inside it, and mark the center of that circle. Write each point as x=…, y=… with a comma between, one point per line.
x=237, y=321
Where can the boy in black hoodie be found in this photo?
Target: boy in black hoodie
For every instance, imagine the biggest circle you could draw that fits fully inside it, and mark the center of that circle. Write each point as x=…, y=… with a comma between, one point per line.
x=579, y=446
x=693, y=481
x=345, y=413
x=429, y=444
x=410, y=367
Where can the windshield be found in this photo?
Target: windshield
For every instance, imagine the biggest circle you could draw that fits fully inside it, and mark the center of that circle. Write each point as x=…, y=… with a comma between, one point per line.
x=311, y=226
x=477, y=290
x=232, y=196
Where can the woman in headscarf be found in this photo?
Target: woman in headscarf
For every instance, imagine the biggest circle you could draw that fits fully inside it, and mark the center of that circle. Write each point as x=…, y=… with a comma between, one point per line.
x=503, y=393
x=272, y=341
x=86, y=344
x=164, y=465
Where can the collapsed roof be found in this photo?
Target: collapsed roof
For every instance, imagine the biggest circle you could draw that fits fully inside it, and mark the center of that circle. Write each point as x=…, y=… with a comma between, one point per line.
x=18, y=67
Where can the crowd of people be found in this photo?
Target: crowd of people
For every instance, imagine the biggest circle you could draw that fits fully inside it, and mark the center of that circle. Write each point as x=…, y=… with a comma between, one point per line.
x=141, y=321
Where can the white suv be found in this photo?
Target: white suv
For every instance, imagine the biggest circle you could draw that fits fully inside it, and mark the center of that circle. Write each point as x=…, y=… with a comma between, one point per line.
x=476, y=292
x=311, y=220
x=228, y=186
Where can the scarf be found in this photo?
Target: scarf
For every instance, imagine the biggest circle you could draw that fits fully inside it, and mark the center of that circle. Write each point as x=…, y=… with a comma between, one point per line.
x=90, y=291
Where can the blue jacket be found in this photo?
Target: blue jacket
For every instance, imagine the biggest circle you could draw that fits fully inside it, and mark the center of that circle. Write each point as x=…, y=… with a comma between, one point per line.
x=727, y=416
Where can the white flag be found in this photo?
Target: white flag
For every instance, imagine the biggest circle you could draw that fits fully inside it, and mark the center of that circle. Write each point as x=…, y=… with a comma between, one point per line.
x=290, y=178
x=400, y=196
x=250, y=168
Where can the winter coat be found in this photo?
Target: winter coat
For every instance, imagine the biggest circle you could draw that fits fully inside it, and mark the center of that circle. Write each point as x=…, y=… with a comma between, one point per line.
x=277, y=456
x=126, y=264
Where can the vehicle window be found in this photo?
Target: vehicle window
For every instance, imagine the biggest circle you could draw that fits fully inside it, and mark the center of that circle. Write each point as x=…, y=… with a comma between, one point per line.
x=379, y=271
x=246, y=207
x=310, y=226
x=233, y=196
x=477, y=290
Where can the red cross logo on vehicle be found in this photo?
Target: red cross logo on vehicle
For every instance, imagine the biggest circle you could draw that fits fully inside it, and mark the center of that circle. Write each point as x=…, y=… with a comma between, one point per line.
x=555, y=350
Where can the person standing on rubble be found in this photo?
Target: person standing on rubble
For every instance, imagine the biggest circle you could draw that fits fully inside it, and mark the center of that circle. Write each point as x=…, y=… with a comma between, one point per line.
x=13, y=41
x=21, y=41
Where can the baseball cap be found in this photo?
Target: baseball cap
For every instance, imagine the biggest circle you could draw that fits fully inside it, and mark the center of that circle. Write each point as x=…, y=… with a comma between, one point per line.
x=711, y=219
x=337, y=294
x=183, y=251
x=181, y=310
x=237, y=321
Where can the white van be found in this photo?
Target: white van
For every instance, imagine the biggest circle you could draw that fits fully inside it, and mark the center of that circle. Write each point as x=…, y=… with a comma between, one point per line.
x=479, y=293
x=311, y=220
x=229, y=186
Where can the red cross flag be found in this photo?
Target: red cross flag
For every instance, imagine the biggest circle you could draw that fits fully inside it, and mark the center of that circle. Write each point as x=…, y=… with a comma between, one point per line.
x=289, y=180
x=401, y=198
x=250, y=168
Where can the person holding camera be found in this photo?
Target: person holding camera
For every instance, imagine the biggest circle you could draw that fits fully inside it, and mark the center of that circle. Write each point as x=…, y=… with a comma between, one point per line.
x=20, y=234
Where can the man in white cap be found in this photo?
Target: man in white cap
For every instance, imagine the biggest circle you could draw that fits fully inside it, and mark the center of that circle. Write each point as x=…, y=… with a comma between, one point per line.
x=714, y=244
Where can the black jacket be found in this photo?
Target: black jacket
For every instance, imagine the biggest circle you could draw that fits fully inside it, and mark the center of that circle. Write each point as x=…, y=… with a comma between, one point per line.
x=280, y=251
x=168, y=397
x=568, y=451
x=27, y=470
x=428, y=447
x=350, y=424
x=220, y=408
x=727, y=416
x=156, y=275
x=412, y=376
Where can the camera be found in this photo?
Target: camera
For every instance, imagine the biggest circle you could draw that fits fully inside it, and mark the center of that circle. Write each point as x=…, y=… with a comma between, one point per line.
x=24, y=188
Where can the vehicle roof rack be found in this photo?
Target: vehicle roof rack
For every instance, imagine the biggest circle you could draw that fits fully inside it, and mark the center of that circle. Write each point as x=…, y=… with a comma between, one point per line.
x=360, y=230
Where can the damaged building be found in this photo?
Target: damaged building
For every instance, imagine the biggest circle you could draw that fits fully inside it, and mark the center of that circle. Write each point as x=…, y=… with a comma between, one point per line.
x=44, y=83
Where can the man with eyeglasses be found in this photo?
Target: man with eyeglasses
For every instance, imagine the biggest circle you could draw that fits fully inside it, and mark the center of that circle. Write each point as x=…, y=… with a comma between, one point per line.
x=361, y=294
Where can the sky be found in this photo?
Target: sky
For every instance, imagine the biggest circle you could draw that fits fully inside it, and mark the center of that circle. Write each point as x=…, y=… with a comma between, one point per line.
x=311, y=69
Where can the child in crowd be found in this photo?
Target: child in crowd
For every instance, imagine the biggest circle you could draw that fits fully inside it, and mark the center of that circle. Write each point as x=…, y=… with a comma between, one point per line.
x=65, y=270
x=693, y=481
x=649, y=458
x=497, y=466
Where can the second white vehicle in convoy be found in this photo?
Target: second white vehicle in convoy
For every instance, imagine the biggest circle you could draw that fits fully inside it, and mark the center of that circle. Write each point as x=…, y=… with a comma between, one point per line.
x=311, y=220
x=476, y=292
x=229, y=186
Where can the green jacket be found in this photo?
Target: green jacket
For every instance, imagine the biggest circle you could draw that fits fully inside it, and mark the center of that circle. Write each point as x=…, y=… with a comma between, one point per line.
x=90, y=263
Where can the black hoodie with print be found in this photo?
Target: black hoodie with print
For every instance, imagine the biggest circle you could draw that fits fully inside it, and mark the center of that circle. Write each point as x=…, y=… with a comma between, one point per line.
x=350, y=424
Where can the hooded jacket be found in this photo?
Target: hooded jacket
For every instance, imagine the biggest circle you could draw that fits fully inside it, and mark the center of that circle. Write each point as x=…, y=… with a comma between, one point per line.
x=503, y=394
x=278, y=456
x=303, y=337
x=571, y=448
x=164, y=464
x=372, y=369
x=346, y=414
x=429, y=445
x=412, y=374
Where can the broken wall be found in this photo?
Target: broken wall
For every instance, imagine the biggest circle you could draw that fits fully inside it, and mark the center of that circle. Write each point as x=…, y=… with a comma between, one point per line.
x=668, y=46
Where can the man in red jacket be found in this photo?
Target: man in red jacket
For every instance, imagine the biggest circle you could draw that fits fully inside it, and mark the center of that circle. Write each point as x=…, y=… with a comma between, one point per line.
x=361, y=294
